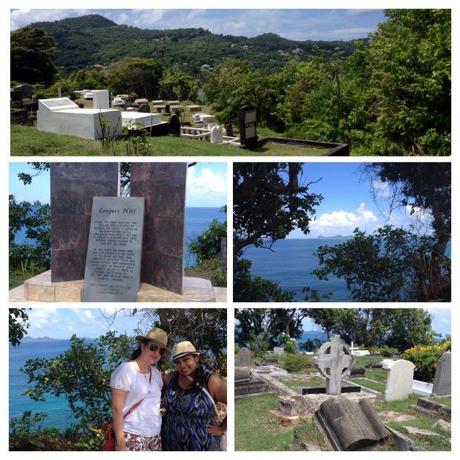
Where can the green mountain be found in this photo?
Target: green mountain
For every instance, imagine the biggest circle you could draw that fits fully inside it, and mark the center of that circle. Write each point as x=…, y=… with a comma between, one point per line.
x=93, y=39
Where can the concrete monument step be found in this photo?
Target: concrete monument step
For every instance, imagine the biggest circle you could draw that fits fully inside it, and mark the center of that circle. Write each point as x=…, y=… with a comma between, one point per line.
x=40, y=289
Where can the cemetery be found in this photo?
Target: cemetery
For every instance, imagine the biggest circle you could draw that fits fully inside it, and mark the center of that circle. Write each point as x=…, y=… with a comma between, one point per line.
x=99, y=117
x=111, y=248
x=342, y=399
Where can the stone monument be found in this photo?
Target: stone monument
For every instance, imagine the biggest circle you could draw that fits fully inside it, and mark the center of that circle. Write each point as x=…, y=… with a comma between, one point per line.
x=163, y=186
x=73, y=186
x=334, y=361
x=443, y=377
x=399, y=381
x=244, y=358
x=113, y=261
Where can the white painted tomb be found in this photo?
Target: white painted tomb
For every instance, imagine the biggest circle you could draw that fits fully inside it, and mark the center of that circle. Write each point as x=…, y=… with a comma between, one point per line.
x=145, y=120
x=63, y=116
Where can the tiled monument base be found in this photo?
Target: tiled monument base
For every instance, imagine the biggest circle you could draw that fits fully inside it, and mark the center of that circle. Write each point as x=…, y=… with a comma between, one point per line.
x=41, y=289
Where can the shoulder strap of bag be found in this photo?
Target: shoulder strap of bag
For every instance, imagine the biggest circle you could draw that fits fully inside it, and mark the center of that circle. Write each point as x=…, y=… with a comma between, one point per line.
x=136, y=405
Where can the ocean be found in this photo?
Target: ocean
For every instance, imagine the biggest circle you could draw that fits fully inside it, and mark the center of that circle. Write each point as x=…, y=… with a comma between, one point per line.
x=197, y=221
x=292, y=263
x=291, y=266
x=59, y=413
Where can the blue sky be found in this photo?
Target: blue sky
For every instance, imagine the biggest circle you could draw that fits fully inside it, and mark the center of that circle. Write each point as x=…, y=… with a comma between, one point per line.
x=440, y=321
x=348, y=202
x=206, y=185
x=312, y=24
x=61, y=323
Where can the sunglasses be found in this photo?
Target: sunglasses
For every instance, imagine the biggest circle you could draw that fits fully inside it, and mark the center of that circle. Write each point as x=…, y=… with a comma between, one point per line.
x=153, y=348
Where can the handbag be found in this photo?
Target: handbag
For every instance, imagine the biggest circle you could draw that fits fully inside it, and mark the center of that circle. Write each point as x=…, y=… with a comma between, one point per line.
x=107, y=428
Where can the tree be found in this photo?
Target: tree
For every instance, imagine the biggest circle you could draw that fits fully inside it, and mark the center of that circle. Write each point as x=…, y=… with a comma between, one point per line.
x=259, y=325
x=134, y=74
x=32, y=56
x=399, y=328
x=424, y=188
x=18, y=325
x=269, y=201
x=392, y=264
x=207, y=245
x=410, y=61
x=176, y=84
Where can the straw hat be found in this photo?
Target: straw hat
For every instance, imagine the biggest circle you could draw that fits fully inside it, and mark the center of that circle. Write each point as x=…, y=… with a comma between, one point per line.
x=155, y=335
x=184, y=348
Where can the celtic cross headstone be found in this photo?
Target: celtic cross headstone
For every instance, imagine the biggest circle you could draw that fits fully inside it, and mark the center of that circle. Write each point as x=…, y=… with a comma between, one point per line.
x=334, y=361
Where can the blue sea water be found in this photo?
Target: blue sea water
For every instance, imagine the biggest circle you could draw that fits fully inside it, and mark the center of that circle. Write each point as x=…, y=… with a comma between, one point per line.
x=59, y=413
x=291, y=265
x=197, y=221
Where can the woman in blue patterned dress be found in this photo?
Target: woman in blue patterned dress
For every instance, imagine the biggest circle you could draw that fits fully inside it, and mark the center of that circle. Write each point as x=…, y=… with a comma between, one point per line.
x=189, y=400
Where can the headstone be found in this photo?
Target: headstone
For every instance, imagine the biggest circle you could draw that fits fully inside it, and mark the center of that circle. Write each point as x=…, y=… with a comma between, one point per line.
x=229, y=128
x=217, y=135
x=350, y=425
x=101, y=99
x=244, y=358
x=73, y=186
x=278, y=350
x=242, y=374
x=442, y=378
x=334, y=361
x=174, y=125
x=113, y=262
x=163, y=186
x=248, y=123
x=399, y=381
x=144, y=108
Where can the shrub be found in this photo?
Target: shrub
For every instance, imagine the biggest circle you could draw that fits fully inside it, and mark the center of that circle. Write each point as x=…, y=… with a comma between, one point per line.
x=425, y=359
x=296, y=363
x=387, y=352
x=207, y=245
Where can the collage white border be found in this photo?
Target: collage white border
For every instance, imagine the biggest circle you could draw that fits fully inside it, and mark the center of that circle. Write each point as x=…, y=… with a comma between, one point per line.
x=254, y=4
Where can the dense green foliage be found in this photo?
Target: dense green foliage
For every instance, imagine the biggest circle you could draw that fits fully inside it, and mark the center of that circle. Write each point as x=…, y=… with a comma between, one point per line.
x=399, y=328
x=425, y=359
x=32, y=56
x=35, y=219
x=93, y=39
x=207, y=245
x=18, y=323
x=262, y=328
x=296, y=363
x=382, y=266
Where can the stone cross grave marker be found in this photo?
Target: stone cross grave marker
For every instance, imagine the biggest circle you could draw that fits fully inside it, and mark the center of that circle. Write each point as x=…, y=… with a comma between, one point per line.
x=113, y=261
x=399, y=381
x=442, y=378
x=334, y=361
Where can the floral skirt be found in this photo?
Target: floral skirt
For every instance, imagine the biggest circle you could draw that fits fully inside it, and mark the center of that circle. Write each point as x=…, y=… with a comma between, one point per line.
x=136, y=442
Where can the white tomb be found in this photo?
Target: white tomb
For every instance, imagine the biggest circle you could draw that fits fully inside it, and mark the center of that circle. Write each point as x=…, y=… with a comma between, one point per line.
x=63, y=116
x=140, y=119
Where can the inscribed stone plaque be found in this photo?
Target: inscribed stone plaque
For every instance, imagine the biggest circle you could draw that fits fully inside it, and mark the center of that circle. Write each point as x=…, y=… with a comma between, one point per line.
x=163, y=186
x=73, y=186
x=113, y=262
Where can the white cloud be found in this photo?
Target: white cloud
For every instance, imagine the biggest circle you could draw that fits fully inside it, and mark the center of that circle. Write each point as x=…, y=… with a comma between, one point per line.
x=381, y=189
x=340, y=222
x=22, y=17
x=206, y=186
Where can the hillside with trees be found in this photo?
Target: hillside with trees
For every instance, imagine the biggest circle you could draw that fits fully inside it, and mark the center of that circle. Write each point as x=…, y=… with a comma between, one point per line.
x=93, y=39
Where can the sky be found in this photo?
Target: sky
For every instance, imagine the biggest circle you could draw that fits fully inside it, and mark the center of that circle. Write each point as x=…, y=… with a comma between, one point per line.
x=440, y=321
x=206, y=185
x=332, y=24
x=61, y=323
x=348, y=202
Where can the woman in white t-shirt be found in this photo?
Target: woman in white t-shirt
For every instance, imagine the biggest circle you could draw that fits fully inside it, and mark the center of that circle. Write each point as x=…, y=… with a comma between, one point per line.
x=136, y=395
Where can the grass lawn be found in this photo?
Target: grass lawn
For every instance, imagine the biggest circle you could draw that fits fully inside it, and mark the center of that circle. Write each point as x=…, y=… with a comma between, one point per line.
x=432, y=443
x=17, y=278
x=306, y=382
x=380, y=387
x=446, y=400
x=256, y=429
x=363, y=361
x=27, y=141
